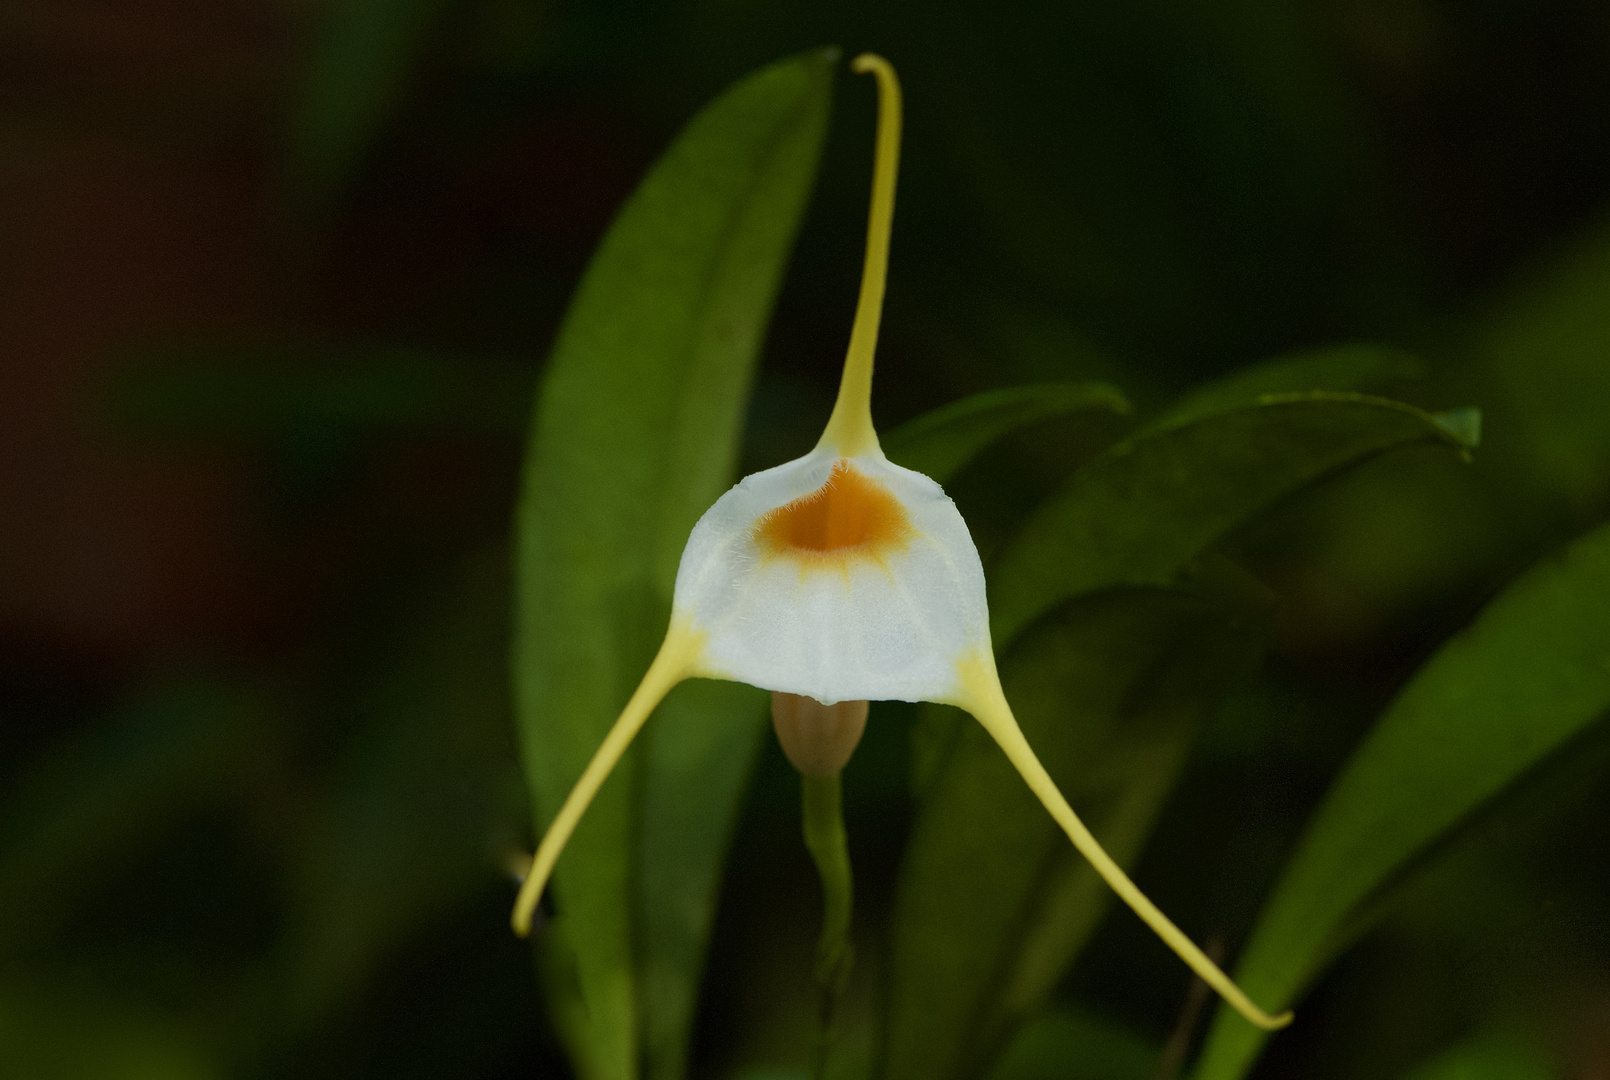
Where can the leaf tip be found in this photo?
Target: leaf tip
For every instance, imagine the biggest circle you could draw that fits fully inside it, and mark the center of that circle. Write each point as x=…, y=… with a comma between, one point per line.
x=1115, y=400
x=1463, y=424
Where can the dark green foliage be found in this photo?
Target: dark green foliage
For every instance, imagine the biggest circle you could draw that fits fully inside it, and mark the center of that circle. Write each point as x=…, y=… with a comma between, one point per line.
x=993, y=903
x=1517, y=685
x=1142, y=511
x=946, y=439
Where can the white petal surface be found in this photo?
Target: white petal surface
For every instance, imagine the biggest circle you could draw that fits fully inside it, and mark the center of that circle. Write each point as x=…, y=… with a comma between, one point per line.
x=874, y=622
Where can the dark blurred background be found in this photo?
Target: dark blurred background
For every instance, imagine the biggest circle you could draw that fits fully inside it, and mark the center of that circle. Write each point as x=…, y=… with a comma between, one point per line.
x=276, y=284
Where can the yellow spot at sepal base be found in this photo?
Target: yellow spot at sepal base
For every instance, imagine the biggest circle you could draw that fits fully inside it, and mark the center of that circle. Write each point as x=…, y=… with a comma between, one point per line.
x=852, y=516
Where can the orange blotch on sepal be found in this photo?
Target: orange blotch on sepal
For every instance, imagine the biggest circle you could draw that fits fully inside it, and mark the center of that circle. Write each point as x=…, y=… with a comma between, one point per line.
x=850, y=517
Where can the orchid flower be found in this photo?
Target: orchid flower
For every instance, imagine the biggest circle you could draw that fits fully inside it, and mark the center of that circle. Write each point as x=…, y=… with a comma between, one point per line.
x=843, y=577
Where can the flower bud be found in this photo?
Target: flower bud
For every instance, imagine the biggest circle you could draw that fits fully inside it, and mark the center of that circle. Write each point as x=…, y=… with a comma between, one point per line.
x=817, y=738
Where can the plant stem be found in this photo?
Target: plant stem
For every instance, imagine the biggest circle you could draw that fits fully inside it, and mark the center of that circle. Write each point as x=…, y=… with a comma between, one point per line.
x=828, y=844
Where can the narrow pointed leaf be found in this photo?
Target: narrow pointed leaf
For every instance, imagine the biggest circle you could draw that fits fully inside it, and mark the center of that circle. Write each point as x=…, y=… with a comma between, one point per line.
x=1139, y=513
x=1531, y=672
x=939, y=443
x=636, y=434
x=1342, y=369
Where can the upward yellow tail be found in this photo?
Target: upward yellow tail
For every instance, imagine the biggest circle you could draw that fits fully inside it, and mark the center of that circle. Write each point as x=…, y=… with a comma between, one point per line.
x=849, y=430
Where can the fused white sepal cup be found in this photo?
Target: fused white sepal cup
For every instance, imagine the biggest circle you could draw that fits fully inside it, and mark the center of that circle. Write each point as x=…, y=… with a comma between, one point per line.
x=836, y=577
x=843, y=577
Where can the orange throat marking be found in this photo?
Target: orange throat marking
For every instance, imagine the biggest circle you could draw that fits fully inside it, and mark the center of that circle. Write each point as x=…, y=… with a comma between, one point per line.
x=847, y=519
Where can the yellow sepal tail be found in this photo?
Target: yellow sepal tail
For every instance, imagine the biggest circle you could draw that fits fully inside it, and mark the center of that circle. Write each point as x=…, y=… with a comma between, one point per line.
x=982, y=696
x=849, y=430
x=675, y=661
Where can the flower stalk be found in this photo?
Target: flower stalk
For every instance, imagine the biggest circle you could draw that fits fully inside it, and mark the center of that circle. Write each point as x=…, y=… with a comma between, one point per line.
x=818, y=740
x=823, y=812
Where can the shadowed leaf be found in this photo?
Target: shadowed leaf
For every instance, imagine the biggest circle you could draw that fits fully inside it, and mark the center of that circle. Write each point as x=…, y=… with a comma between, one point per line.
x=1144, y=509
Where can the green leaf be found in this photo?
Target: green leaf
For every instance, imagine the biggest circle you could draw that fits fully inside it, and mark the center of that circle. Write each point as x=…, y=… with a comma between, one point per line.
x=993, y=902
x=939, y=443
x=636, y=434
x=970, y=962
x=698, y=753
x=1342, y=368
x=1531, y=672
x=1139, y=513
x=1463, y=424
